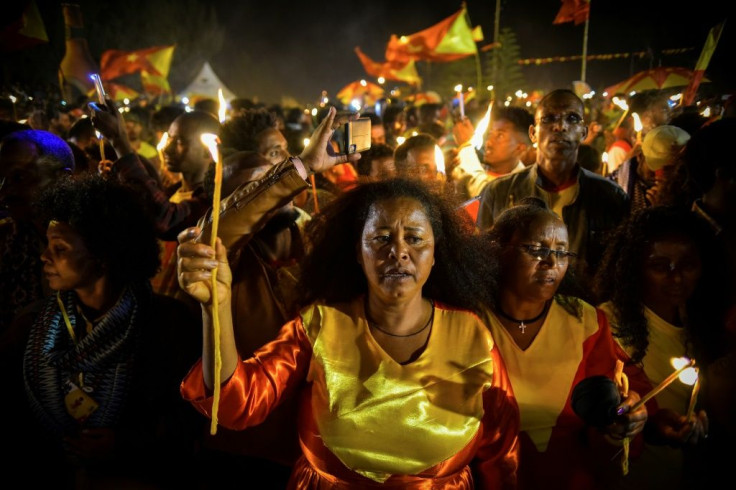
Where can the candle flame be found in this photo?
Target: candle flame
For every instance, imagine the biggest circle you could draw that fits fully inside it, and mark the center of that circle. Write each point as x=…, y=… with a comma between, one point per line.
x=477, y=139
x=210, y=141
x=306, y=142
x=637, y=122
x=363, y=83
x=222, y=112
x=621, y=103
x=400, y=140
x=164, y=140
x=439, y=159
x=604, y=157
x=459, y=87
x=687, y=376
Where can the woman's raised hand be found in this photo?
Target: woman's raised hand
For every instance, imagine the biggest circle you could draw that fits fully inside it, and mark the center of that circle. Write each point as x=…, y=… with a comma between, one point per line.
x=195, y=264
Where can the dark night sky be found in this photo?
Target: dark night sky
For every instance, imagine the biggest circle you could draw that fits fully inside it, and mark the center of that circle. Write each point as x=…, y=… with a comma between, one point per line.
x=274, y=48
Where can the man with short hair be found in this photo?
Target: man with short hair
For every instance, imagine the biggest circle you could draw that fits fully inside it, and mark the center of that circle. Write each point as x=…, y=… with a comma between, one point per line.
x=416, y=158
x=589, y=205
x=506, y=143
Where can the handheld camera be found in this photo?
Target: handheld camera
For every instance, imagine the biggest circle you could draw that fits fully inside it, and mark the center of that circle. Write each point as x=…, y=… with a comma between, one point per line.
x=357, y=135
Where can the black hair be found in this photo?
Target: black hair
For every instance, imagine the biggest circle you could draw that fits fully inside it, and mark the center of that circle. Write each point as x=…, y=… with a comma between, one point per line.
x=519, y=118
x=620, y=276
x=460, y=265
x=421, y=140
x=240, y=132
x=113, y=221
x=363, y=166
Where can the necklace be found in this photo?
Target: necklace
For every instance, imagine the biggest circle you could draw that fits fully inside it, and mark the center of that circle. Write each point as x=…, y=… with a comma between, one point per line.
x=429, y=322
x=524, y=323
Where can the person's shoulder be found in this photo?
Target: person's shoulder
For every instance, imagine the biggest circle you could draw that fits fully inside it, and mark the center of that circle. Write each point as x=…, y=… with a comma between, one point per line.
x=601, y=183
x=507, y=181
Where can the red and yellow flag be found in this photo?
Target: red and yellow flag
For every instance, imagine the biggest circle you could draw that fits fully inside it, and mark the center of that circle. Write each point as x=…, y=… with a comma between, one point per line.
x=406, y=72
x=710, y=46
x=26, y=31
x=573, y=11
x=161, y=61
x=449, y=40
x=115, y=63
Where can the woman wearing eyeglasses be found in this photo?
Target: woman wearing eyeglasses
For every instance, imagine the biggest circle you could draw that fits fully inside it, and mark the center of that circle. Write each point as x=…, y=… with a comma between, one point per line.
x=551, y=341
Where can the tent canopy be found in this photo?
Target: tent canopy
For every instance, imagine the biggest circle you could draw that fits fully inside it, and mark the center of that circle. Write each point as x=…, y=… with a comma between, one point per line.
x=205, y=85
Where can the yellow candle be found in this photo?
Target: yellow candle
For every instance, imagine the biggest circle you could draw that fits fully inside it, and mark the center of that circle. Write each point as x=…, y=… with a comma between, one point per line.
x=211, y=141
x=693, y=398
x=661, y=386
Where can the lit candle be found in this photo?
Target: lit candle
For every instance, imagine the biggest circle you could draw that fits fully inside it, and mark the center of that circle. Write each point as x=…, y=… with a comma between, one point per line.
x=102, y=146
x=439, y=159
x=664, y=384
x=211, y=141
x=625, y=107
x=637, y=127
x=160, y=148
x=694, y=396
x=222, y=111
x=477, y=139
x=460, y=99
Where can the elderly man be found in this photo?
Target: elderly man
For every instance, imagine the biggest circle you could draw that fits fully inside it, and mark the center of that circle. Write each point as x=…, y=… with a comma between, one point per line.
x=590, y=205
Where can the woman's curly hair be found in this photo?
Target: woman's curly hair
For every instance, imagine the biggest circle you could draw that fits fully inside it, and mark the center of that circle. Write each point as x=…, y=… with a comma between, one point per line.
x=331, y=272
x=112, y=221
x=620, y=278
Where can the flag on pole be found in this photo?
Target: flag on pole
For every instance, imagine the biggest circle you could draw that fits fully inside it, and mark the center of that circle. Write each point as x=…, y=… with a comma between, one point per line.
x=26, y=31
x=710, y=46
x=573, y=11
x=406, y=72
x=449, y=40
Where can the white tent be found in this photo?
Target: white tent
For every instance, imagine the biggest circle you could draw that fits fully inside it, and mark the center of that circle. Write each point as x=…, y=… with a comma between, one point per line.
x=206, y=84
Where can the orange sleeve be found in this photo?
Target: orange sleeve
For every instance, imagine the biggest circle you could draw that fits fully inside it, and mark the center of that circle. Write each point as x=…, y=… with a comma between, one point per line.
x=258, y=384
x=497, y=459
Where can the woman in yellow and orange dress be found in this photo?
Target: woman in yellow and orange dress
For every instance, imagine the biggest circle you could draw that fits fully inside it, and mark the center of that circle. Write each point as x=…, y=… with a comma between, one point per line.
x=400, y=385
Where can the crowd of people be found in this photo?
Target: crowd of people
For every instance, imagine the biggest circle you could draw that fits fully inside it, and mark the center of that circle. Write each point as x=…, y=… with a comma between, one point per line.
x=417, y=315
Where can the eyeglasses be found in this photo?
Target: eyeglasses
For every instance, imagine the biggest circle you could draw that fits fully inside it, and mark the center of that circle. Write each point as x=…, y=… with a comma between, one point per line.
x=571, y=118
x=542, y=253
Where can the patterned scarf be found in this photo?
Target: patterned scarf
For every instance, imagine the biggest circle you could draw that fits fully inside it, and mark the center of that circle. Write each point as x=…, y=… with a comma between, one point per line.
x=106, y=357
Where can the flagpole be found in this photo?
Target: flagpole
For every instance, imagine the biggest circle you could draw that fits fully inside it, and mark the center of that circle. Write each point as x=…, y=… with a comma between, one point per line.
x=585, y=46
x=496, y=29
